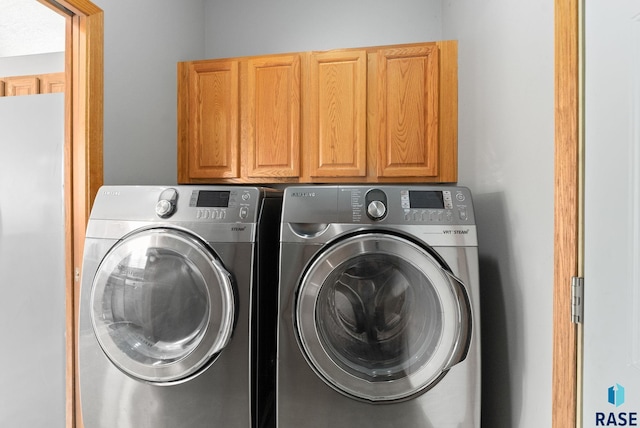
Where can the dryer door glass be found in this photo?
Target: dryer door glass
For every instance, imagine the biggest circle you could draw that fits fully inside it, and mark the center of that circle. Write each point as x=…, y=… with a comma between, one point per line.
x=380, y=319
x=162, y=305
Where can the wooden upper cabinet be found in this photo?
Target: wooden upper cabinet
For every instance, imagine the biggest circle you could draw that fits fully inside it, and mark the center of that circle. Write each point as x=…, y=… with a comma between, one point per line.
x=271, y=116
x=208, y=120
x=32, y=85
x=408, y=85
x=338, y=114
x=375, y=114
x=52, y=83
x=22, y=85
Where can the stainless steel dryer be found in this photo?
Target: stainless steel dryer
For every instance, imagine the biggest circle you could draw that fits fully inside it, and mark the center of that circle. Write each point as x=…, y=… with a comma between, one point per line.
x=378, y=320
x=168, y=313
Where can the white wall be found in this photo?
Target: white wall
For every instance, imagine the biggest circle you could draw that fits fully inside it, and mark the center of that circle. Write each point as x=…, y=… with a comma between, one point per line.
x=143, y=42
x=506, y=158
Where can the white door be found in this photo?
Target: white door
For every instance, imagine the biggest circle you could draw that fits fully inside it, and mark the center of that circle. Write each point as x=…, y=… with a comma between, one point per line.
x=32, y=277
x=611, y=375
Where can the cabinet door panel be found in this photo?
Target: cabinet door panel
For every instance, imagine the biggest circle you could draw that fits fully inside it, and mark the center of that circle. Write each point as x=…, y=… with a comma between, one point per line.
x=273, y=116
x=22, y=85
x=338, y=122
x=408, y=111
x=214, y=120
x=52, y=83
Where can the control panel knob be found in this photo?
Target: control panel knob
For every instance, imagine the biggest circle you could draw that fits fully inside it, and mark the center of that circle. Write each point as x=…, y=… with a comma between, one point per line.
x=376, y=210
x=166, y=205
x=164, y=208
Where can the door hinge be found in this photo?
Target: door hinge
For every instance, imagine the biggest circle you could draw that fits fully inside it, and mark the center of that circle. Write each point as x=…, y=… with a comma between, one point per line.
x=577, y=300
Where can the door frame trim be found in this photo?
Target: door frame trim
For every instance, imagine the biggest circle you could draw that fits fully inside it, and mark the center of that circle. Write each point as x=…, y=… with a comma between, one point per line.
x=83, y=159
x=567, y=210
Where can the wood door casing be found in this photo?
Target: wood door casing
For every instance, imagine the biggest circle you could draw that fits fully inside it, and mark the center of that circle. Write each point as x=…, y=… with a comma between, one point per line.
x=83, y=159
x=567, y=201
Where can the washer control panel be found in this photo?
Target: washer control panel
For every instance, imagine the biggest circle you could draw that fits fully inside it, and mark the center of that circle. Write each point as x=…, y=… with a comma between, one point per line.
x=434, y=205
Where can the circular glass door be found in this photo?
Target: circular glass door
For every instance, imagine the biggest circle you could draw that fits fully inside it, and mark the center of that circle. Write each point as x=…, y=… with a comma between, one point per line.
x=379, y=319
x=162, y=305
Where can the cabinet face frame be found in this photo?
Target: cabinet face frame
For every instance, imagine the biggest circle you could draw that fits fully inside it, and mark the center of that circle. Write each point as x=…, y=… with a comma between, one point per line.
x=83, y=160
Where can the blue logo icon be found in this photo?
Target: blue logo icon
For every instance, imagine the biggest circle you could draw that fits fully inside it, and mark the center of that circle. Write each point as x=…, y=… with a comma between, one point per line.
x=616, y=395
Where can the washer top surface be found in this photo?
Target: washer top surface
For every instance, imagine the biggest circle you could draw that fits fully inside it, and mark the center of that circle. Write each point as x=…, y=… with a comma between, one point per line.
x=440, y=215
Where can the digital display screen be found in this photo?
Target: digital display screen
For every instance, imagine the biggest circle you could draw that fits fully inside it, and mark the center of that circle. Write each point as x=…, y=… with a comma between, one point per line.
x=213, y=199
x=426, y=199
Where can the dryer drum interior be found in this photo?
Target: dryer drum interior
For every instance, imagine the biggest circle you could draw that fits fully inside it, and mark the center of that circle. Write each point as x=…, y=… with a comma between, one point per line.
x=162, y=305
x=379, y=319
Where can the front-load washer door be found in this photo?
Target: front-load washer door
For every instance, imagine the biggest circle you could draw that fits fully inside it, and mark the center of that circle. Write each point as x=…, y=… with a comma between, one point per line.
x=162, y=305
x=379, y=318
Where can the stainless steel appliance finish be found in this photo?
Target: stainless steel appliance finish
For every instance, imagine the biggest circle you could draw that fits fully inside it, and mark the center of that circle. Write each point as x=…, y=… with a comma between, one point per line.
x=378, y=322
x=169, y=317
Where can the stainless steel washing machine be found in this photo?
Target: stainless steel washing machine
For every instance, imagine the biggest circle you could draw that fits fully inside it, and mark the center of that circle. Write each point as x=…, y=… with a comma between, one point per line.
x=169, y=322
x=378, y=321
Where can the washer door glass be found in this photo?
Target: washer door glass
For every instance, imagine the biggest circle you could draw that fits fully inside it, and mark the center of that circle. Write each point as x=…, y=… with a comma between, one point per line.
x=162, y=305
x=379, y=319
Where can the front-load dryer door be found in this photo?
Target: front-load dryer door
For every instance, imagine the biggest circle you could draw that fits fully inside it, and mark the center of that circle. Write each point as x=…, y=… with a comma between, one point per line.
x=162, y=305
x=379, y=318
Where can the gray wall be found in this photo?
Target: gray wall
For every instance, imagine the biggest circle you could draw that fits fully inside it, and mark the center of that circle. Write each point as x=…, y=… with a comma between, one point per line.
x=32, y=64
x=143, y=42
x=252, y=27
x=505, y=130
x=506, y=158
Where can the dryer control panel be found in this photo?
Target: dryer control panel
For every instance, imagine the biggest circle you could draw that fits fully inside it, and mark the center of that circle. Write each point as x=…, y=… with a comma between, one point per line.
x=232, y=205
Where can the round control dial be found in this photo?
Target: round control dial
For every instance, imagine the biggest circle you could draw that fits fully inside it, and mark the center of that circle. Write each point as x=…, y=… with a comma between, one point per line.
x=376, y=210
x=376, y=203
x=164, y=208
x=166, y=205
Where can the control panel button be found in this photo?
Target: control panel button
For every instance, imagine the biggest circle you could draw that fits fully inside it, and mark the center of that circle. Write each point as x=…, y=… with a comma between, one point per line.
x=244, y=212
x=448, y=202
x=462, y=213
